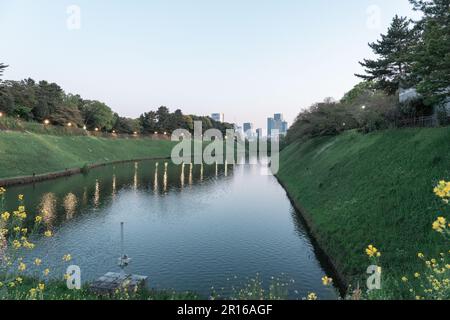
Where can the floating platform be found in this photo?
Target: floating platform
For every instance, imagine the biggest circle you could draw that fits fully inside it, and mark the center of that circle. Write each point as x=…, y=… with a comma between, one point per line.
x=111, y=282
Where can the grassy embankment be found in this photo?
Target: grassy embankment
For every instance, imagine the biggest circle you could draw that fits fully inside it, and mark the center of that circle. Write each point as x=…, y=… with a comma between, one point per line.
x=357, y=190
x=25, y=153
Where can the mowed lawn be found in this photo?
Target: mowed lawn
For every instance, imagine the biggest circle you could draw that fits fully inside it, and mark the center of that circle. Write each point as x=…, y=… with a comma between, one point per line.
x=23, y=154
x=373, y=189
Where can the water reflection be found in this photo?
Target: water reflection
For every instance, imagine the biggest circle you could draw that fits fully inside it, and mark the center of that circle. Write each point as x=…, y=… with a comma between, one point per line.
x=155, y=179
x=229, y=221
x=70, y=205
x=114, y=186
x=97, y=194
x=166, y=165
x=48, y=207
x=135, y=177
x=182, y=175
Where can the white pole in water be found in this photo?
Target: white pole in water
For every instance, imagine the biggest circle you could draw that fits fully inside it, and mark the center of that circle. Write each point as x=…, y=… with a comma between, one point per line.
x=122, y=246
x=124, y=260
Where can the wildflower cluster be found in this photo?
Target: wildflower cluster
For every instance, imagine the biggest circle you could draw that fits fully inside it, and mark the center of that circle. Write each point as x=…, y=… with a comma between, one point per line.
x=434, y=283
x=442, y=190
x=16, y=234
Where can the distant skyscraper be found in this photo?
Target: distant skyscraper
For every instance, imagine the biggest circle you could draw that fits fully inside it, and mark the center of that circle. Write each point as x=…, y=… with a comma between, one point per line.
x=248, y=129
x=259, y=132
x=270, y=126
x=278, y=117
x=219, y=117
x=248, y=126
x=277, y=123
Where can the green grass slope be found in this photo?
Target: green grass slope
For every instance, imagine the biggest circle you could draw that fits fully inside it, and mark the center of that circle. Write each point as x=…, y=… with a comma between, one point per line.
x=375, y=189
x=23, y=154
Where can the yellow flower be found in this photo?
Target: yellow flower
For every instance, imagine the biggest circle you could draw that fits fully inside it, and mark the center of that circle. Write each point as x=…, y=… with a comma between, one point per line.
x=38, y=219
x=405, y=279
x=20, y=197
x=327, y=281
x=41, y=286
x=16, y=229
x=2, y=191
x=48, y=234
x=37, y=261
x=312, y=296
x=371, y=251
x=17, y=244
x=22, y=267
x=32, y=293
x=28, y=245
x=67, y=258
x=421, y=255
x=21, y=209
x=417, y=275
x=19, y=280
x=24, y=230
x=66, y=276
x=12, y=284
x=5, y=216
x=46, y=272
x=440, y=224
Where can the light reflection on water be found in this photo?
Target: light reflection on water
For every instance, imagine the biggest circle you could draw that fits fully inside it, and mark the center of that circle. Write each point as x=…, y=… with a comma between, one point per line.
x=188, y=227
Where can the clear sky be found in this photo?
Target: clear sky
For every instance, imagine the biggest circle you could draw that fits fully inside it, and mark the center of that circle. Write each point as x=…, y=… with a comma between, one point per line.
x=245, y=58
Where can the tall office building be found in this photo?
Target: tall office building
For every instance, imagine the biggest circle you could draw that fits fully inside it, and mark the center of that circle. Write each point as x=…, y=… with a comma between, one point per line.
x=277, y=123
x=270, y=126
x=219, y=117
x=248, y=129
x=259, y=133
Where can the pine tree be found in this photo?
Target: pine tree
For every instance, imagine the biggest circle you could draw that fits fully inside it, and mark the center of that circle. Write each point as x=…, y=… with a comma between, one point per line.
x=431, y=55
x=2, y=68
x=392, y=68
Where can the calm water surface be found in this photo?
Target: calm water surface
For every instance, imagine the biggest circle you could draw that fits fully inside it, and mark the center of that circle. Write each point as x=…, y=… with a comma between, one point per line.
x=187, y=228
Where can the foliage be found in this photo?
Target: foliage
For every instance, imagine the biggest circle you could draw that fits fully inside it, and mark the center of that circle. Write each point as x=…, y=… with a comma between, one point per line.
x=322, y=119
x=393, y=67
x=163, y=120
x=2, y=68
x=431, y=58
x=97, y=115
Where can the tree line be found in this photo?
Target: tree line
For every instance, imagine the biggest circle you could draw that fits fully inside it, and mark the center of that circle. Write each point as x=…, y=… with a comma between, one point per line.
x=46, y=102
x=411, y=54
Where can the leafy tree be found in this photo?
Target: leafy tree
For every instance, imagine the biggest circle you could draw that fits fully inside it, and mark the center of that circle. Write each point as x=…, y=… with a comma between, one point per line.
x=126, y=125
x=48, y=97
x=322, y=119
x=357, y=91
x=393, y=67
x=67, y=112
x=149, y=122
x=431, y=55
x=97, y=115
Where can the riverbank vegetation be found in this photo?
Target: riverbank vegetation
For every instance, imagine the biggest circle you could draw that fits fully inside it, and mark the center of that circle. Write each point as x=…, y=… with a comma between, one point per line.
x=408, y=80
x=25, y=154
x=358, y=189
x=45, y=104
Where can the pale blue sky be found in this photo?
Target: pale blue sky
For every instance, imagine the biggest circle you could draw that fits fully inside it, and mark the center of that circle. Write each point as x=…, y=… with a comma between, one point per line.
x=245, y=58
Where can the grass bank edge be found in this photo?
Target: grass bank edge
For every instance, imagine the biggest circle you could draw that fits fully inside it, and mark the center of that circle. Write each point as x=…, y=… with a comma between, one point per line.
x=354, y=190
